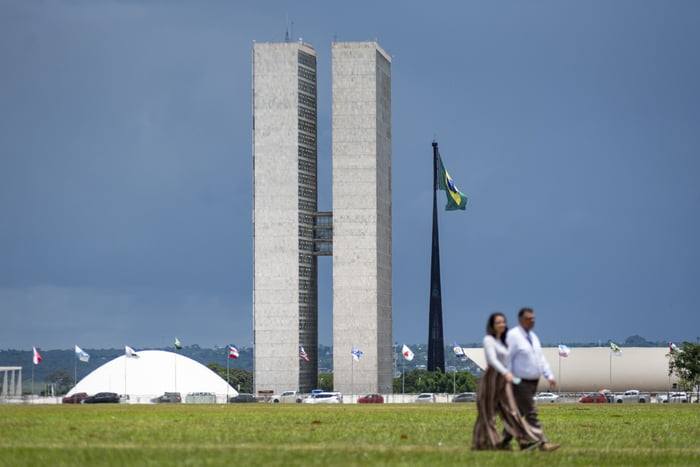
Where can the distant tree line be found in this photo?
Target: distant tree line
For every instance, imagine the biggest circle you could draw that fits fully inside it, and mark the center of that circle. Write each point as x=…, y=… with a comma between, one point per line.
x=59, y=367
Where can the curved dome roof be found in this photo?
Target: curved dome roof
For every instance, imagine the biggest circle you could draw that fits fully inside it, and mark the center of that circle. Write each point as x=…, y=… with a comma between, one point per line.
x=151, y=374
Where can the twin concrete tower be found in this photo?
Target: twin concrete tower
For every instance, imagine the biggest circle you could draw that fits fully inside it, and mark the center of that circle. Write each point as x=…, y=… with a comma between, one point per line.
x=289, y=233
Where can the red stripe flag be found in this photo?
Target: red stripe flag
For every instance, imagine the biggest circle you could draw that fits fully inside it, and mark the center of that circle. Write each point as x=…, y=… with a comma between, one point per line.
x=232, y=352
x=302, y=354
x=37, y=357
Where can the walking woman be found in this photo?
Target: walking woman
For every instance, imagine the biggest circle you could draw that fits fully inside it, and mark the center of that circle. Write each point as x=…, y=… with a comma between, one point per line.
x=495, y=396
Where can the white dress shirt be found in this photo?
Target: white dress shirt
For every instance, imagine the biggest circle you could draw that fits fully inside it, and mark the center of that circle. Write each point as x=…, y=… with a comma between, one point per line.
x=525, y=359
x=496, y=354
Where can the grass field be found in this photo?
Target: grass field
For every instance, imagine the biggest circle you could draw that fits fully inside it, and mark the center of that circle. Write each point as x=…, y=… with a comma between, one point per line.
x=300, y=434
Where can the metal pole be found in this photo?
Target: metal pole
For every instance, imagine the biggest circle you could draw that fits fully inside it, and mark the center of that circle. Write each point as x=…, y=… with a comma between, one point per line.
x=559, y=385
x=403, y=377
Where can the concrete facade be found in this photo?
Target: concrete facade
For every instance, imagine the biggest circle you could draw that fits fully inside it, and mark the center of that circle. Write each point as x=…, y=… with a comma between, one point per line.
x=284, y=203
x=362, y=275
x=286, y=241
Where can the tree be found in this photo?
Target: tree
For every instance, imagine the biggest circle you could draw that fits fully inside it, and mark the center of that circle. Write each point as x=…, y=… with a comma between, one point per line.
x=417, y=381
x=62, y=381
x=325, y=381
x=685, y=363
x=239, y=379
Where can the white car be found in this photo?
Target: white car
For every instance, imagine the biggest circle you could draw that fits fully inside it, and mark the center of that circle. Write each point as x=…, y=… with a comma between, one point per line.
x=324, y=398
x=286, y=396
x=546, y=397
x=675, y=397
x=425, y=397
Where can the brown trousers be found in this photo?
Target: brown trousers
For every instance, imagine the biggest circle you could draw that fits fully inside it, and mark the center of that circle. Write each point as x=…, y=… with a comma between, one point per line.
x=525, y=400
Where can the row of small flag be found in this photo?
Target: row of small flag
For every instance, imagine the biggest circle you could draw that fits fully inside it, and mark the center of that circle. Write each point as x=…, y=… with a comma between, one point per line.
x=355, y=352
x=82, y=355
x=407, y=353
x=232, y=350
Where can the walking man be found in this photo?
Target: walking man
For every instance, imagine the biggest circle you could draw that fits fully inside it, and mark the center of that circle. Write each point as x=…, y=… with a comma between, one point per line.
x=526, y=362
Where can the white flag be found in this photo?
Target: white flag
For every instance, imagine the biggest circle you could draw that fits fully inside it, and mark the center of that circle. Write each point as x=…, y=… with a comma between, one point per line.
x=407, y=353
x=356, y=353
x=82, y=355
x=564, y=350
x=130, y=352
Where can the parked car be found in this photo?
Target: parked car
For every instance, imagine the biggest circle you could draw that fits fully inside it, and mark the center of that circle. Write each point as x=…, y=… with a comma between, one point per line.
x=102, y=398
x=242, y=398
x=168, y=397
x=546, y=397
x=672, y=397
x=465, y=397
x=371, y=399
x=325, y=398
x=76, y=398
x=594, y=398
x=633, y=395
x=286, y=396
x=425, y=397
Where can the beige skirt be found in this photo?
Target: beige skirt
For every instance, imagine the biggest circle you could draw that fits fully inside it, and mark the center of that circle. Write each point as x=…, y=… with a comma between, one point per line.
x=495, y=397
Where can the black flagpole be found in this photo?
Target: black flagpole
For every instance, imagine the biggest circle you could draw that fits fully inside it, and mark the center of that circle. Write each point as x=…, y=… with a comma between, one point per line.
x=436, y=347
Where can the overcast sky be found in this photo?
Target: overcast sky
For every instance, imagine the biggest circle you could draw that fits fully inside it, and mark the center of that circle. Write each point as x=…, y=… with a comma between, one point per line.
x=126, y=165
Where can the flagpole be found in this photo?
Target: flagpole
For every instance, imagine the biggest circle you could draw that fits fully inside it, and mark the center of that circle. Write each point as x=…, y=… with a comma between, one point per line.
x=559, y=385
x=352, y=377
x=403, y=377
x=228, y=358
x=611, y=384
x=436, y=347
x=75, y=369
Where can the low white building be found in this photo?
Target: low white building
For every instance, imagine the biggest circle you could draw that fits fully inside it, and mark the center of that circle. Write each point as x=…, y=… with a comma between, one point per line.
x=153, y=373
x=593, y=369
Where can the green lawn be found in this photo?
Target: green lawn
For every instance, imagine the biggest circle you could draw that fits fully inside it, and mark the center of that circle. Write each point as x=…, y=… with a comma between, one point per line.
x=300, y=434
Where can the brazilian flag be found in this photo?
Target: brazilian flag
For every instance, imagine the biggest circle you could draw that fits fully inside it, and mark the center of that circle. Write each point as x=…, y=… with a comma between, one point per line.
x=455, y=198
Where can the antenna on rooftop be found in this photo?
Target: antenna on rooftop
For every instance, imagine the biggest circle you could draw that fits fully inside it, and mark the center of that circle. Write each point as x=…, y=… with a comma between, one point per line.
x=289, y=32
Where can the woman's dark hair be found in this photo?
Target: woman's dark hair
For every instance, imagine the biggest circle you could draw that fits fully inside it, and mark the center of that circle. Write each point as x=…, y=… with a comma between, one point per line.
x=491, y=330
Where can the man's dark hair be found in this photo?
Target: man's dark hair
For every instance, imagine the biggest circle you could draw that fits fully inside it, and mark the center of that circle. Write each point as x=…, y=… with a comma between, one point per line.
x=523, y=311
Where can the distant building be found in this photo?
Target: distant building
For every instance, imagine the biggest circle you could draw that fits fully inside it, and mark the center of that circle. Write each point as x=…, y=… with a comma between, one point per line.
x=362, y=275
x=289, y=232
x=593, y=369
x=150, y=375
x=285, y=295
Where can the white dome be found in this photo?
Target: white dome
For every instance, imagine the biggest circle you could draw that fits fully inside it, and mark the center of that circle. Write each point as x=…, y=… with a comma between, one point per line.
x=151, y=374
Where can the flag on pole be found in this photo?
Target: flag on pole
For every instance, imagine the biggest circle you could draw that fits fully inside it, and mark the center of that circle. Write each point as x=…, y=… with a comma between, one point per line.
x=455, y=198
x=130, y=352
x=302, y=354
x=37, y=357
x=459, y=351
x=615, y=349
x=564, y=350
x=232, y=352
x=356, y=353
x=82, y=355
x=672, y=347
x=407, y=353
x=178, y=345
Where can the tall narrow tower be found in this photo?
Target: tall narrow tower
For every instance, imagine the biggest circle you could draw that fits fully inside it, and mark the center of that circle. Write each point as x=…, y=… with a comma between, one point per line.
x=285, y=296
x=362, y=278
x=289, y=233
